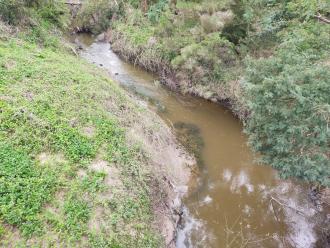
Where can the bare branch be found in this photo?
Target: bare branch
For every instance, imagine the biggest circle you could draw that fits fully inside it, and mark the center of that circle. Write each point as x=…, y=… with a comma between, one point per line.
x=322, y=18
x=285, y=205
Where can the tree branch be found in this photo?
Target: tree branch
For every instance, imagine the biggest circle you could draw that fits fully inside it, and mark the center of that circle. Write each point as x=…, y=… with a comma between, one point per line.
x=322, y=18
x=70, y=2
x=285, y=205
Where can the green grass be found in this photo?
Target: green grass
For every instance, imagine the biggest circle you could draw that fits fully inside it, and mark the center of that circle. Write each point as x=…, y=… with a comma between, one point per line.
x=50, y=192
x=24, y=189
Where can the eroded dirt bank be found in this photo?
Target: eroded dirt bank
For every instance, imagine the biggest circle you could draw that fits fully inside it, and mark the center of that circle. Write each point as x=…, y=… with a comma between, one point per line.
x=169, y=163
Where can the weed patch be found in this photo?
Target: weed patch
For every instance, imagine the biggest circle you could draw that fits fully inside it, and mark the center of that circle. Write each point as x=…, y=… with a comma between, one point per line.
x=48, y=98
x=24, y=189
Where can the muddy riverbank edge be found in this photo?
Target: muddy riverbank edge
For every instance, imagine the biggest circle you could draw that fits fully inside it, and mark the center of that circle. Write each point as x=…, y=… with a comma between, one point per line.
x=170, y=164
x=171, y=167
x=230, y=95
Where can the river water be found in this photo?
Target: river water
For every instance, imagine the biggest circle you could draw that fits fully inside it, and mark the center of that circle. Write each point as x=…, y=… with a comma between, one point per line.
x=234, y=201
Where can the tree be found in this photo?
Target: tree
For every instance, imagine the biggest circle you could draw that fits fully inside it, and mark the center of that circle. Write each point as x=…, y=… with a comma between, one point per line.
x=288, y=96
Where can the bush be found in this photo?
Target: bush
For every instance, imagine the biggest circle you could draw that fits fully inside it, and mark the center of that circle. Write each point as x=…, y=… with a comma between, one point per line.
x=216, y=21
x=17, y=11
x=289, y=99
x=155, y=11
x=95, y=16
x=11, y=11
x=210, y=57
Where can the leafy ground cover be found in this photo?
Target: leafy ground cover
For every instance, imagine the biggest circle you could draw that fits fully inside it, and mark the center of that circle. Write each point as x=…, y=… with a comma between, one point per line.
x=69, y=177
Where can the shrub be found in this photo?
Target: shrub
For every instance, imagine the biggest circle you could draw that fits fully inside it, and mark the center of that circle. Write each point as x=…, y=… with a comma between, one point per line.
x=210, y=57
x=216, y=21
x=289, y=99
x=155, y=11
x=210, y=23
x=237, y=29
x=16, y=11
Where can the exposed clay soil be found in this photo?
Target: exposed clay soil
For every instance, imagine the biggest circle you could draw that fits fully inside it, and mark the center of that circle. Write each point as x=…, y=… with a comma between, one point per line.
x=169, y=163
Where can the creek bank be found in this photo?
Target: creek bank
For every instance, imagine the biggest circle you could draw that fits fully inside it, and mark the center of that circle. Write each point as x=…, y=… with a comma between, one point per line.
x=230, y=95
x=111, y=171
x=170, y=164
x=171, y=168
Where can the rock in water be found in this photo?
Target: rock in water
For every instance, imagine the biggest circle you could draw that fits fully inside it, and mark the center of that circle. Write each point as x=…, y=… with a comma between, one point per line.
x=100, y=37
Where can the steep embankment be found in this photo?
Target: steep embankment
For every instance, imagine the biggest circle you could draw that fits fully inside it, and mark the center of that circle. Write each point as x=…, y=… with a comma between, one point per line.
x=82, y=163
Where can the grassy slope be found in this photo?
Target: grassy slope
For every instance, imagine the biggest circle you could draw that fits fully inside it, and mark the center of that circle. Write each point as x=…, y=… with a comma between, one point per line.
x=68, y=175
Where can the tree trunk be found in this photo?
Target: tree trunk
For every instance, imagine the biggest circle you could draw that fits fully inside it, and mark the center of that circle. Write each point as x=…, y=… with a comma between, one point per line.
x=144, y=5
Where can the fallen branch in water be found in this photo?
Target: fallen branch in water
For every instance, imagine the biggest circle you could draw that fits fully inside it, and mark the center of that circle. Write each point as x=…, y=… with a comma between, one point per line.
x=237, y=239
x=288, y=206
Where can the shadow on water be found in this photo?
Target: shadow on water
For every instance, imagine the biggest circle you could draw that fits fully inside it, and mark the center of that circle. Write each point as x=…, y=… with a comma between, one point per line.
x=189, y=135
x=237, y=203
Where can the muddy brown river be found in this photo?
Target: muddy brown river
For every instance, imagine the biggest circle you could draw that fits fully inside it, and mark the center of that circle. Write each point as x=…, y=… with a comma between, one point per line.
x=234, y=202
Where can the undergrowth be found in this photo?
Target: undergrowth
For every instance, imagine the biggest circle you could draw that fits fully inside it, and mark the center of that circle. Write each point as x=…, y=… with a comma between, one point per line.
x=36, y=20
x=183, y=42
x=52, y=191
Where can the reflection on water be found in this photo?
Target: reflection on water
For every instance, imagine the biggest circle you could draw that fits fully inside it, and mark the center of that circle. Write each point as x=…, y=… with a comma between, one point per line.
x=195, y=228
x=236, y=203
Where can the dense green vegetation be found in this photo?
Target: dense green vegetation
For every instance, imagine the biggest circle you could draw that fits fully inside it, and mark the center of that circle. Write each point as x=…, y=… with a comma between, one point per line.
x=41, y=20
x=268, y=60
x=288, y=90
x=69, y=176
x=44, y=150
x=289, y=94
